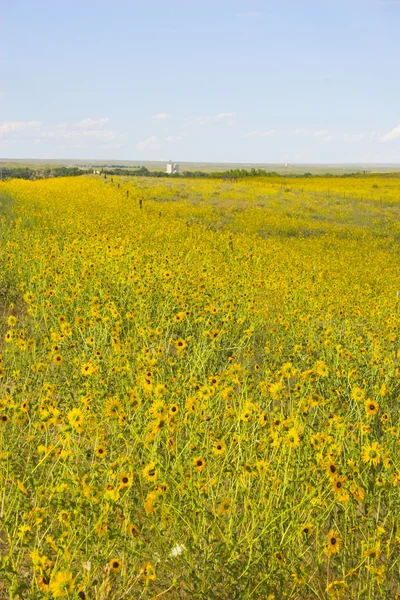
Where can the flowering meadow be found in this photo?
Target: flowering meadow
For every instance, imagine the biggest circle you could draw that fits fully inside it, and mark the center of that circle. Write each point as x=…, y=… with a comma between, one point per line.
x=200, y=388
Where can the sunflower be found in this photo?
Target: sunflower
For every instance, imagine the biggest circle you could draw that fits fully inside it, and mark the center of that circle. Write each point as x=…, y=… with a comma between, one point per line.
x=75, y=418
x=25, y=406
x=373, y=551
x=276, y=423
x=134, y=401
x=160, y=390
x=199, y=464
x=100, y=451
x=62, y=584
x=336, y=588
x=113, y=407
x=12, y=321
x=115, y=564
x=180, y=344
x=158, y=410
x=248, y=469
x=88, y=369
x=42, y=581
x=150, y=502
x=57, y=359
x=162, y=488
x=332, y=469
x=307, y=529
x=385, y=418
x=292, y=438
x=371, y=408
x=321, y=368
x=228, y=393
x=133, y=529
x=214, y=334
x=219, y=447
x=125, y=480
x=333, y=542
x=337, y=484
x=371, y=453
x=262, y=419
x=276, y=390
x=262, y=466
x=245, y=415
x=173, y=409
x=150, y=472
x=358, y=493
x=170, y=443
x=224, y=506
x=357, y=394
x=149, y=573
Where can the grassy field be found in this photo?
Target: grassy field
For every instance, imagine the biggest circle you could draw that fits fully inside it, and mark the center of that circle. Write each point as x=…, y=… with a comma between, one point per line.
x=199, y=389
x=206, y=167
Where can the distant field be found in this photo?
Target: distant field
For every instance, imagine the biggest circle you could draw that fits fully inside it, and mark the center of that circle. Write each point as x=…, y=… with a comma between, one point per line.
x=336, y=169
x=200, y=389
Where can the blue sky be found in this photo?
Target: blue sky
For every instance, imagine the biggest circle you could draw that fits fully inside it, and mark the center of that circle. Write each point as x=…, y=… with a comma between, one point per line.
x=216, y=80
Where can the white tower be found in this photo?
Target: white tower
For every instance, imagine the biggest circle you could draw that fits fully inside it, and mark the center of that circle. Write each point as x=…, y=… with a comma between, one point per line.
x=172, y=167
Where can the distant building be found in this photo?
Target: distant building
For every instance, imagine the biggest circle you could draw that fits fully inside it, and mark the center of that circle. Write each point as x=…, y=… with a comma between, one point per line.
x=172, y=167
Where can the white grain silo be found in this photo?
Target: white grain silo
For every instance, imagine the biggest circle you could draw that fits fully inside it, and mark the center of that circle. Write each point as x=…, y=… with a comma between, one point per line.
x=172, y=167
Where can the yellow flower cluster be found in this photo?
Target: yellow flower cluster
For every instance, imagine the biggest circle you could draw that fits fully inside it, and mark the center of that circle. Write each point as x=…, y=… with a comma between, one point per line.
x=199, y=388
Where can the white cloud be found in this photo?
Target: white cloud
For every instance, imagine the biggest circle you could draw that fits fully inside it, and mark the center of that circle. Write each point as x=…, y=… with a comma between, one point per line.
x=175, y=138
x=393, y=134
x=251, y=134
x=89, y=123
x=215, y=118
x=160, y=116
x=113, y=146
x=150, y=143
x=350, y=138
x=100, y=134
x=17, y=126
x=66, y=133
x=328, y=138
x=88, y=129
x=271, y=132
x=321, y=133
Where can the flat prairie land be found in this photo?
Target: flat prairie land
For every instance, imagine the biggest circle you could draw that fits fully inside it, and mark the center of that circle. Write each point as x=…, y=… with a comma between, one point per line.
x=207, y=167
x=200, y=388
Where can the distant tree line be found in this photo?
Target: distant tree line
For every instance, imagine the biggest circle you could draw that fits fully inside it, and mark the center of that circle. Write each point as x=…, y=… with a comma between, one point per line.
x=124, y=167
x=232, y=174
x=46, y=173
